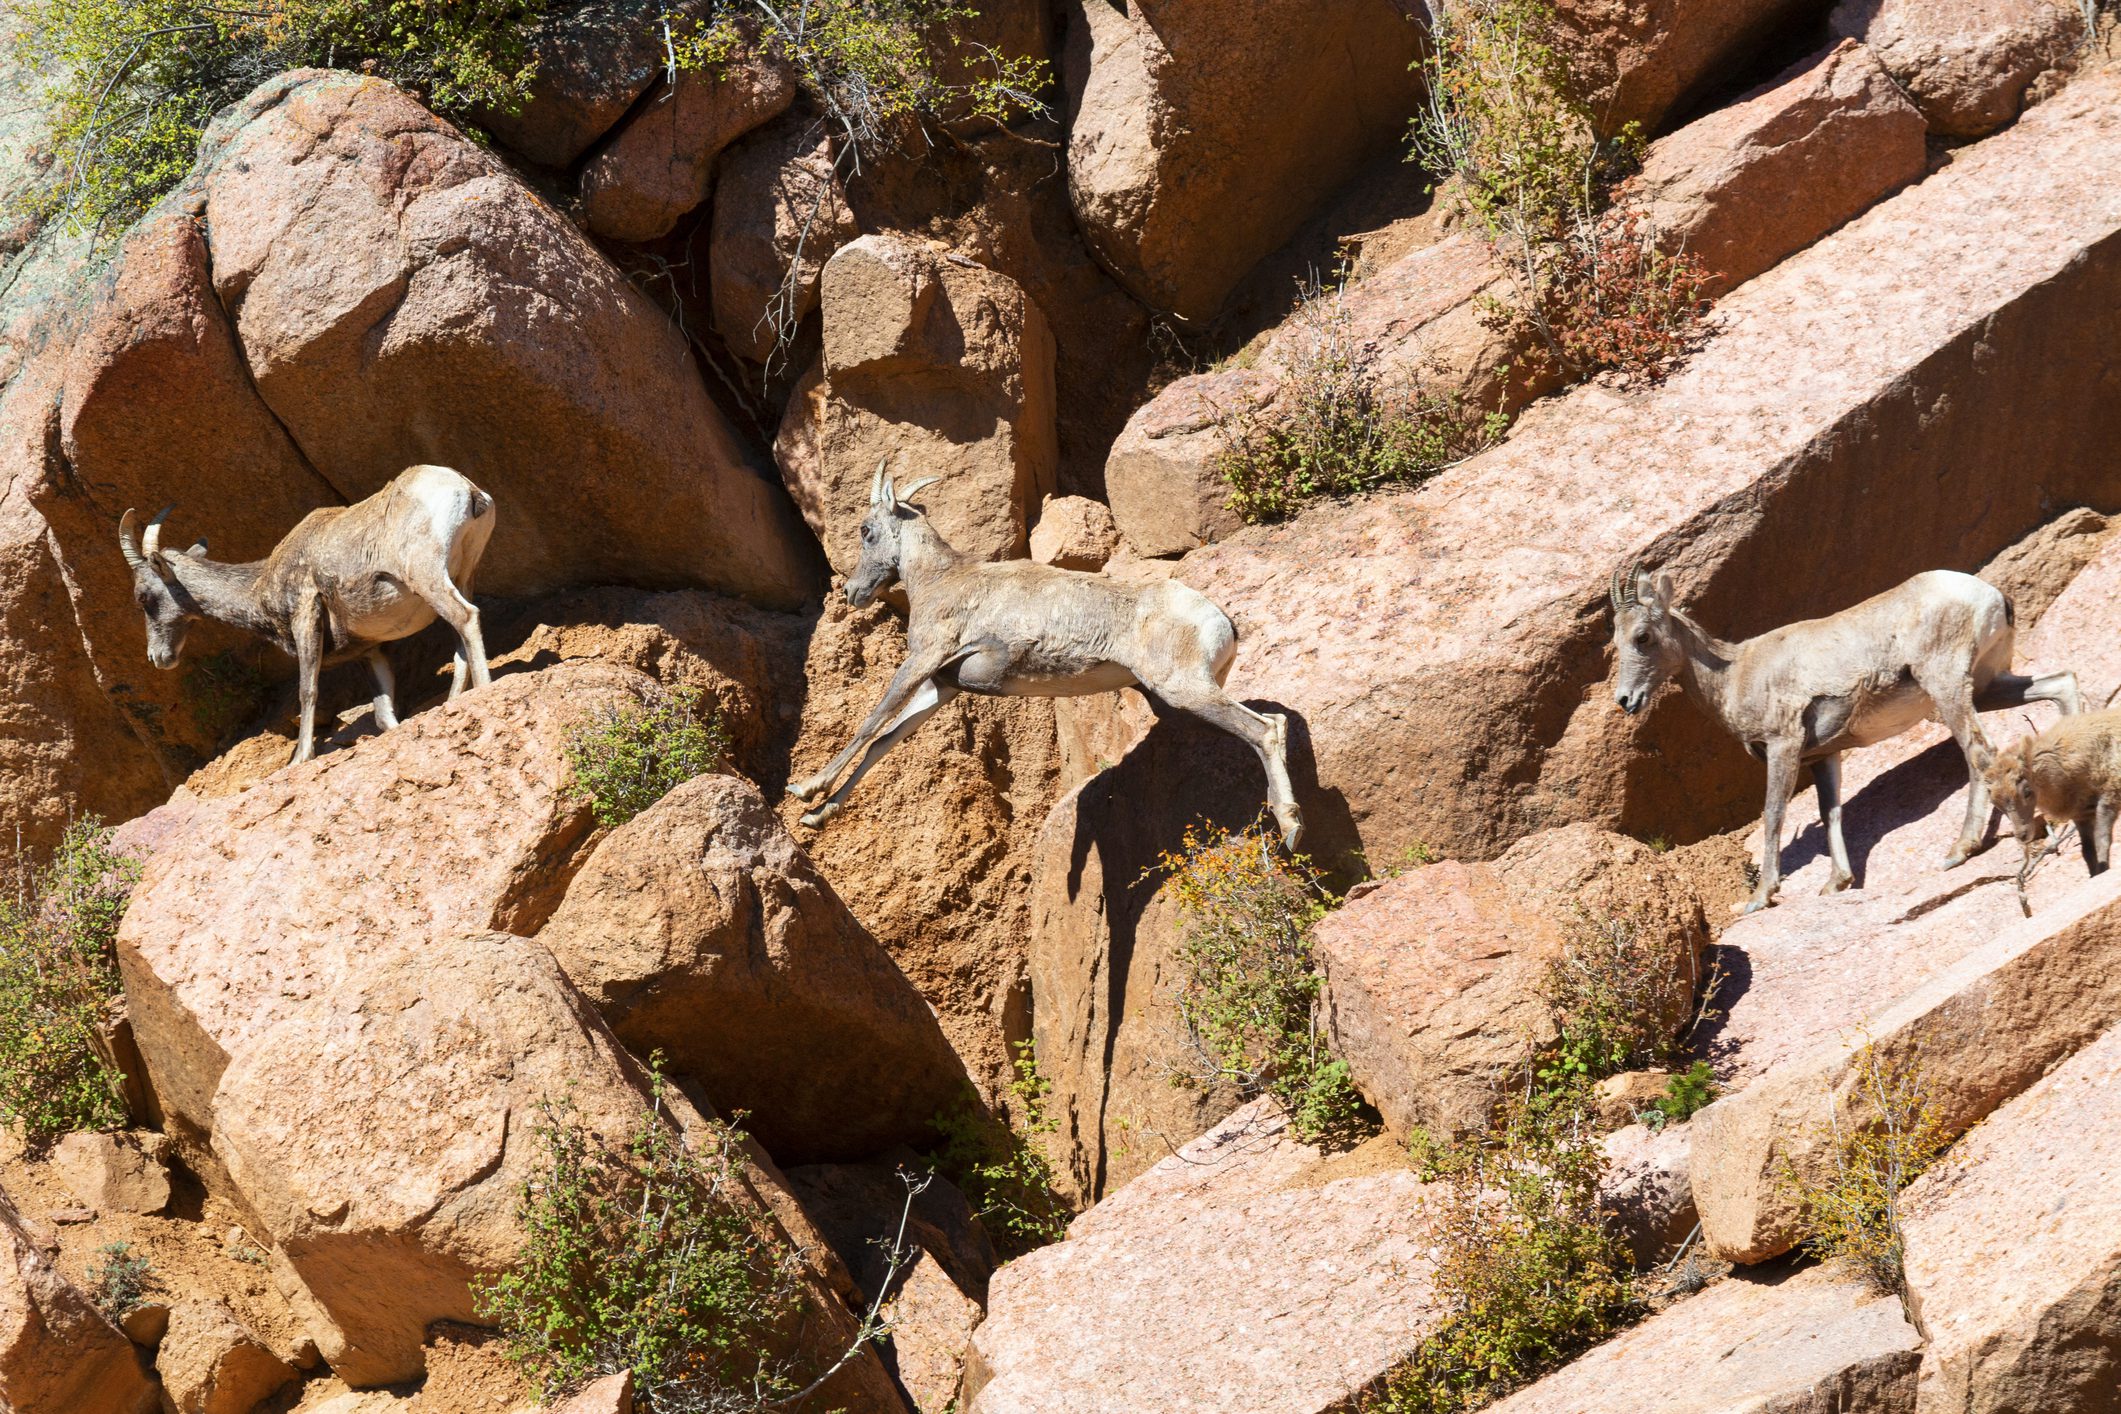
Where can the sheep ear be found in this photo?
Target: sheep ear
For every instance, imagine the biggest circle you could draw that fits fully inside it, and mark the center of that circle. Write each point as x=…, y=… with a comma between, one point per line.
x=198, y=551
x=1664, y=591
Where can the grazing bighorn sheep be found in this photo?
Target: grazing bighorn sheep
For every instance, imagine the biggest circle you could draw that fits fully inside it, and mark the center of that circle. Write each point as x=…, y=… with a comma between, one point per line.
x=342, y=583
x=2068, y=774
x=1019, y=629
x=1938, y=646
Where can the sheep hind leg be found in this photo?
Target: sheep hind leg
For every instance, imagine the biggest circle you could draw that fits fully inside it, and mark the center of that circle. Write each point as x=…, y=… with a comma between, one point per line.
x=1267, y=733
x=1955, y=708
x=454, y=607
x=2007, y=690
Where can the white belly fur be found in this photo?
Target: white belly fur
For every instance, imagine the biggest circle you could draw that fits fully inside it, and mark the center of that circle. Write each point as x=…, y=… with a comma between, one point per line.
x=1105, y=677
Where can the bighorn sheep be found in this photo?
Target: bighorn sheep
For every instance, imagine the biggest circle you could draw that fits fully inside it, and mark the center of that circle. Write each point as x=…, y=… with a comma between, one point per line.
x=1938, y=646
x=2068, y=774
x=1019, y=629
x=342, y=583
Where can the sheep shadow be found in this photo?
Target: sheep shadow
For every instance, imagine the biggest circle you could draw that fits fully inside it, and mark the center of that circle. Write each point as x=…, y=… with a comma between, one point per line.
x=1897, y=797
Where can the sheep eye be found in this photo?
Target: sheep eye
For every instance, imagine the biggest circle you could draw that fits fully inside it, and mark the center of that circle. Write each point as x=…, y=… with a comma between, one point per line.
x=1642, y=640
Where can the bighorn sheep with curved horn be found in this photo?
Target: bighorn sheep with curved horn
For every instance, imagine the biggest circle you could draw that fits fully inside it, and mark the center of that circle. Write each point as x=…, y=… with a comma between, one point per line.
x=342, y=583
x=1938, y=645
x=1018, y=629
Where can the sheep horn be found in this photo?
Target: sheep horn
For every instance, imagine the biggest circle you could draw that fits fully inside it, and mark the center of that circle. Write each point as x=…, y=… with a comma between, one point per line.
x=907, y=495
x=876, y=482
x=129, y=539
x=151, y=546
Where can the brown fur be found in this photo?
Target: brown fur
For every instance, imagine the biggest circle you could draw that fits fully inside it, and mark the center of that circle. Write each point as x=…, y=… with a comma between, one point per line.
x=2068, y=774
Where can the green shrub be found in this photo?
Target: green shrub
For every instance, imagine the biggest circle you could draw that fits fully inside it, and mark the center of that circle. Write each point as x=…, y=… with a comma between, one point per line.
x=1687, y=1093
x=120, y=1281
x=1526, y=162
x=1875, y=1143
x=875, y=67
x=1249, y=994
x=58, y=986
x=138, y=80
x=1529, y=1271
x=626, y=758
x=1338, y=427
x=1612, y=998
x=647, y=1258
x=1001, y=1171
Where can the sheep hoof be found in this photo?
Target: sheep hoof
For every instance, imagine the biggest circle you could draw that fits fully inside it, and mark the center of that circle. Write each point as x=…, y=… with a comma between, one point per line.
x=813, y=819
x=1956, y=858
x=806, y=790
x=1292, y=827
x=1751, y=906
x=1837, y=884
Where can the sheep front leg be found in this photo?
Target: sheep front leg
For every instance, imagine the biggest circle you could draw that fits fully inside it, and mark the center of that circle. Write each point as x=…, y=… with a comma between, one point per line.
x=2096, y=834
x=1781, y=780
x=920, y=706
x=911, y=674
x=1826, y=779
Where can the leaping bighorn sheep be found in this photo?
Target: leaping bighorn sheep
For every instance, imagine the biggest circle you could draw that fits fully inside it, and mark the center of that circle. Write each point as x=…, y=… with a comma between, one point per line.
x=1938, y=646
x=342, y=583
x=1019, y=629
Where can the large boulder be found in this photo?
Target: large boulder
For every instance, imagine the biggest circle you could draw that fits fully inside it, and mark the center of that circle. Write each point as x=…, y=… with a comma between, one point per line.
x=934, y=366
x=384, y=1130
x=1246, y=1270
x=2014, y=1249
x=1437, y=982
x=660, y=165
x=401, y=297
x=703, y=906
x=1164, y=478
x=1638, y=61
x=58, y=1355
x=211, y=1364
x=1968, y=64
x=780, y=211
x=1196, y=140
x=1766, y=176
x=463, y=819
x=1814, y=1342
x=1982, y=1030
x=594, y=61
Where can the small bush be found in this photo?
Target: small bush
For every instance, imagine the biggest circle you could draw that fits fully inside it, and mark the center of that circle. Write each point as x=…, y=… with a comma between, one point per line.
x=1250, y=992
x=1685, y=1094
x=1612, y=998
x=1000, y=1170
x=138, y=80
x=1338, y=427
x=1613, y=300
x=1529, y=1272
x=1874, y=1145
x=645, y=1258
x=626, y=758
x=58, y=986
x=120, y=1281
x=1529, y=167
